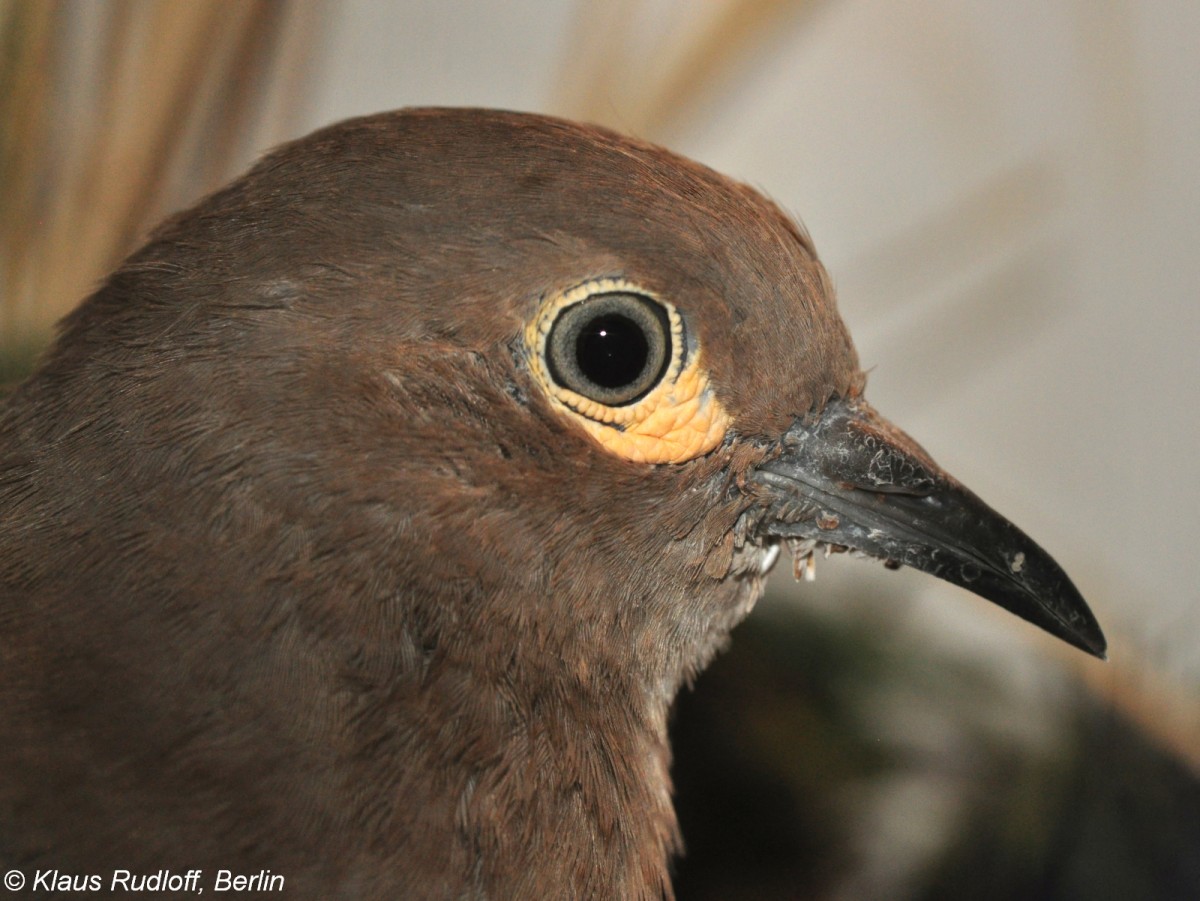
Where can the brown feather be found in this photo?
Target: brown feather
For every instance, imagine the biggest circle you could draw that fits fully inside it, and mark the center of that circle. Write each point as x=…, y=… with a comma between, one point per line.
x=300, y=571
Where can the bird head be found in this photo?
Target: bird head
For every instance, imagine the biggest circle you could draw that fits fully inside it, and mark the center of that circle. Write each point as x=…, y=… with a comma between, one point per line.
x=440, y=421
x=588, y=382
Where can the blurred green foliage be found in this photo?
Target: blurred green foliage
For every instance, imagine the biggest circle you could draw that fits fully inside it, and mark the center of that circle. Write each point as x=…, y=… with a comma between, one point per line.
x=17, y=360
x=779, y=739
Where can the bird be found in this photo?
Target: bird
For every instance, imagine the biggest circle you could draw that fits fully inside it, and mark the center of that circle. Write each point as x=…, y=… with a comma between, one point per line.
x=358, y=532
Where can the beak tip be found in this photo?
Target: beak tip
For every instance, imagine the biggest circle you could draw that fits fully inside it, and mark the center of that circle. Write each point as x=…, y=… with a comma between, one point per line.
x=1078, y=627
x=1096, y=645
x=1059, y=610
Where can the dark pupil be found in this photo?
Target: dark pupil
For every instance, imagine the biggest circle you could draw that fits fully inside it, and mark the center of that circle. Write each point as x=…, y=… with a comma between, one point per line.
x=611, y=350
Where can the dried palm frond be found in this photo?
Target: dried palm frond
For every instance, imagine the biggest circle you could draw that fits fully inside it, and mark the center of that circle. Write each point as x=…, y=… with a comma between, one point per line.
x=114, y=114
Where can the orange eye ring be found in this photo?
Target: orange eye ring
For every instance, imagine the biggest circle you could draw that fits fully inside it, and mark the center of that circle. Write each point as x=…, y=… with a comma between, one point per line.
x=666, y=412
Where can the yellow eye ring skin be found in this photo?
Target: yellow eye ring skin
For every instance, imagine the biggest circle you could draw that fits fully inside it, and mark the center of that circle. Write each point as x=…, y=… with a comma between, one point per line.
x=676, y=419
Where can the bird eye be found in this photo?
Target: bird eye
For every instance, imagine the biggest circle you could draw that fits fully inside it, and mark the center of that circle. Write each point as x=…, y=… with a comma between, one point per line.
x=616, y=359
x=611, y=348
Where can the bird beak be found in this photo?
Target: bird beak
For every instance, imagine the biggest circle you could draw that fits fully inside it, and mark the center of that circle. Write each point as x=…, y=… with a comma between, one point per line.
x=849, y=479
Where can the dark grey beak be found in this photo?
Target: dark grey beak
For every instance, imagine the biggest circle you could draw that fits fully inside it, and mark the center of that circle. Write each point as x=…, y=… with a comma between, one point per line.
x=850, y=479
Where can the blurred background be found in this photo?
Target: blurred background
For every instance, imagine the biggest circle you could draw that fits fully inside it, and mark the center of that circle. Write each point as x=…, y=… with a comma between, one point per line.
x=1008, y=198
